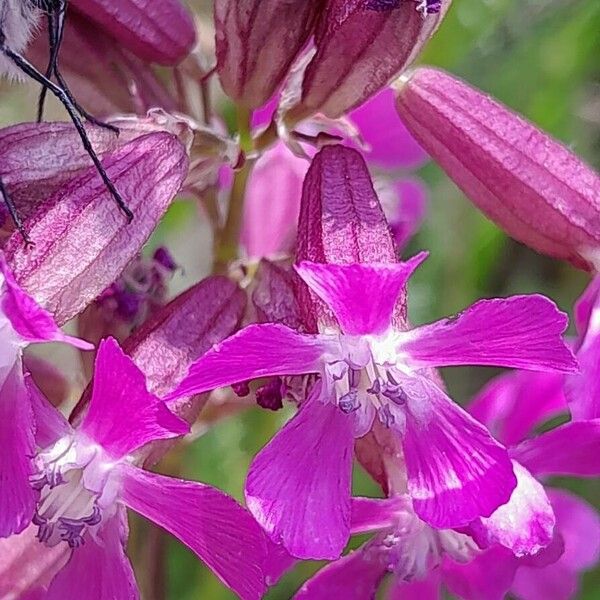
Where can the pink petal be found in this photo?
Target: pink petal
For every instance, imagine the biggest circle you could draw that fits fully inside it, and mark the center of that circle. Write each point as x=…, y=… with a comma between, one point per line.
x=456, y=471
x=17, y=498
x=352, y=577
x=298, y=485
x=26, y=565
x=525, y=524
x=98, y=570
x=552, y=583
x=582, y=390
x=520, y=331
x=344, y=289
x=50, y=424
x=359, y=51
x=31, y=322
x=161, y=32
x=255, y=351
x=123, y=415
x=390, y=144
x=406, y=214
x=530, y=185
x=512, y=405
x=429, y=589
x=571, y=449
x=487, y=577
x=82, y=241
x=585, y=305
x=50, y=379
x=274, y=188
x=579, y=525
x=206, y=520
x=372, y=514
x=257, y=40
x=341, y=222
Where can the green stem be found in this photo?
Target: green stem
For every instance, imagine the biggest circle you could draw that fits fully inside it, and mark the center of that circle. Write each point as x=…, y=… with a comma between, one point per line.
x=226, y=246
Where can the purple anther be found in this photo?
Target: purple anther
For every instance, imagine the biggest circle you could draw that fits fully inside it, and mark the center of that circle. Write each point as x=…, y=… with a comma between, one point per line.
x=270, y=395
x=385, y=415
x=349, y=402
x=164, y=258
x=382, y=5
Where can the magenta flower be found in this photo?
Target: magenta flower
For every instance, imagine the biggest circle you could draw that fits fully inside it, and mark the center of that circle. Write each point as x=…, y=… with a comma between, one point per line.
x=534, y=546
x=371, y=371
x=85, y=477
x=22, y=322
x=530, y=185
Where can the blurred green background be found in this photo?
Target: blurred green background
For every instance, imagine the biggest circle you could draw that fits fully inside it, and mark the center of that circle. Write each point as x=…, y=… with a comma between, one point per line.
x=540, y=57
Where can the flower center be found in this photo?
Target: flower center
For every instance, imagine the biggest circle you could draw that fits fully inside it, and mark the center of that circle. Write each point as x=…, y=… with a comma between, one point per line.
x=413, y=548
x=371, y=386
x=68, y=507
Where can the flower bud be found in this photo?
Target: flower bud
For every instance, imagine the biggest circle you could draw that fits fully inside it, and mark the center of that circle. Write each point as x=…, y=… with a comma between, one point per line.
x=257, y=40
x=341, y=221
x=82, y=242
x=103, y=77
x=360, y=47
x=157, y=31
x=529, y=184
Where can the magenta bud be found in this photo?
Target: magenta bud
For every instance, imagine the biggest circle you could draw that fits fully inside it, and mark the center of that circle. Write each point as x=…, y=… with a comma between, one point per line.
x=526, y=182
x=257, y=40
x=341, y=220
x=360, y=46
x=81, y=240
x=157, y=31
x=104, y=78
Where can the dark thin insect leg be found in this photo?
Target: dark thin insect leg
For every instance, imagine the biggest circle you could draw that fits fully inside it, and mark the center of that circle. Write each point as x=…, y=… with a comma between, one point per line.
x=52, y=36
x=14, y=214
x=27, y=68
x=86, y=115
x=56, y=28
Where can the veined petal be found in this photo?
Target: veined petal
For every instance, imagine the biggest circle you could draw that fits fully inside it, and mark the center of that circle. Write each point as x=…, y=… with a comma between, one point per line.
x=456, y=471
x=82, y=243
x=521, y=331
x=27, y=565
x=362, y=297
x=30, y=321
x=50, y=424
x=513, y=404
x=571, y=449
x=372, y=514
x=255, y=351
x=17, y=498
x=123, y=415
x=298, y=485
x=352, y=577
x=487, y=577
x=99, y=569
x=525, y=524
x=212, y=524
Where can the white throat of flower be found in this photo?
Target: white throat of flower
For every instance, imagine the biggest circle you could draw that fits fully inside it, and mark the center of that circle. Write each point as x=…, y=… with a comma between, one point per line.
x=412, y=548
x=78, y=486
x=369, y=376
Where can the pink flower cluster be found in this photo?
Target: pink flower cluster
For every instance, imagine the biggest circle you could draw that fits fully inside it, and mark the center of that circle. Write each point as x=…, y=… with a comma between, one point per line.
x=311, y=202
